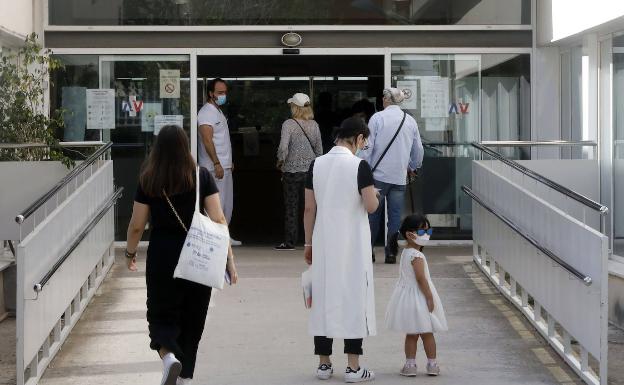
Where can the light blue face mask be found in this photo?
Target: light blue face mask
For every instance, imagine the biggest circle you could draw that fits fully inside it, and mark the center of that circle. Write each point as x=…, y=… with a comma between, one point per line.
x=221, y=99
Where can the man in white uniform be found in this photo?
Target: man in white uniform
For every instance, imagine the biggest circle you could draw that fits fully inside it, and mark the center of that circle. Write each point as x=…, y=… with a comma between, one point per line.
x=214, y=147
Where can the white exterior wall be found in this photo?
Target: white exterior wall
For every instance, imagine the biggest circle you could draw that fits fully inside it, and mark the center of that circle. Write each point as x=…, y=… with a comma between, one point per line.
x=559, y=20
x=16, y=21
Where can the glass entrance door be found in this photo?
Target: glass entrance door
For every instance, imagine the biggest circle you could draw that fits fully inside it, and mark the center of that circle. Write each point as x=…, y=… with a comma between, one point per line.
x=445, y=100
x=150, y=91
x=258, y=88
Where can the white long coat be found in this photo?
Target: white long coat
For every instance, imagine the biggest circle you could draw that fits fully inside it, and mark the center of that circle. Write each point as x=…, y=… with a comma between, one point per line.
x=343, y=294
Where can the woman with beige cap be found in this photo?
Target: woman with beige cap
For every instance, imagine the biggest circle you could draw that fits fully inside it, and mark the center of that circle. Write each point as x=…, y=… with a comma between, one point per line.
x=300, y=144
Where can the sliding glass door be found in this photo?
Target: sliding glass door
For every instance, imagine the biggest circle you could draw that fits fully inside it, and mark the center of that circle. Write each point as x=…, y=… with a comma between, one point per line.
x=148, y=91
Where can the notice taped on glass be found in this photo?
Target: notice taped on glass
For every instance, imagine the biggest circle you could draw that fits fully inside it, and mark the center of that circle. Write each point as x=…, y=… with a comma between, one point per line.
x=100, y=109
x=169, y=84
x=161, y=121
x=434, y=97
x=410, y=90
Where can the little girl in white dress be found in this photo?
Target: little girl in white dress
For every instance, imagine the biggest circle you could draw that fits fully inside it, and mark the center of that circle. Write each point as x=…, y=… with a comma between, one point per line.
x=415, y=307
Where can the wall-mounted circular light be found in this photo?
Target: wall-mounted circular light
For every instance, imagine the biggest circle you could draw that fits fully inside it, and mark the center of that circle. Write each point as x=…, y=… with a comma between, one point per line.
x=291, y=39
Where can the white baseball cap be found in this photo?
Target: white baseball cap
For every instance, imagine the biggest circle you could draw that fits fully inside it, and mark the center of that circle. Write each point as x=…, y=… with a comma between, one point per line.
x=299, y=99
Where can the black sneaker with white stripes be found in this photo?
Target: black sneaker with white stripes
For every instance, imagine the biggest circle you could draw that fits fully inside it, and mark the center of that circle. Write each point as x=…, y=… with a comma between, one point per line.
x=360, y=375
x=324, y=372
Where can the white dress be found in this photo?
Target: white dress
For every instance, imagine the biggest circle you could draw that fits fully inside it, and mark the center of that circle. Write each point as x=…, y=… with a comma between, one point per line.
x=343, y=294
x=407, y=310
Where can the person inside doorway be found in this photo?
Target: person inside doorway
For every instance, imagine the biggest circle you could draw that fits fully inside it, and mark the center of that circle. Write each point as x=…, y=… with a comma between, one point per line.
x=327, y=119
x=363, y=109
x=214, y=146
x=395, y=150
x=300, y=144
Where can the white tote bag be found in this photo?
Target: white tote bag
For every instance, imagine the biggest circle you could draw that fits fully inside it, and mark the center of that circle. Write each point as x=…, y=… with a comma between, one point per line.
x=204, y=254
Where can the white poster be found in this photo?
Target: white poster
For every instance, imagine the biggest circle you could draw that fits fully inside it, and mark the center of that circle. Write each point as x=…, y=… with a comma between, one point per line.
x=434, y=97
x=169, y=84
x=161, y=121
x=410, y=90
x=150, y=110
x=100, y=109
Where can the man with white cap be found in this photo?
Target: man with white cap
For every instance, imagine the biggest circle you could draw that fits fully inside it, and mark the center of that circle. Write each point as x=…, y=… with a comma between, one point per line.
x=394, y=151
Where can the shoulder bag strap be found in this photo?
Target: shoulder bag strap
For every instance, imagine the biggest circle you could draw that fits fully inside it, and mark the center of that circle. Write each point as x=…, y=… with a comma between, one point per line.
x=390, y=144
x=306, y=135
x=197, y=197
x=175, y=212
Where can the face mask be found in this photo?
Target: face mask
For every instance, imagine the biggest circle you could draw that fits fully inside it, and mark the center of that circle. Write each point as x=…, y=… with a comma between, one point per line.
x=221, y=99
x=421, y=240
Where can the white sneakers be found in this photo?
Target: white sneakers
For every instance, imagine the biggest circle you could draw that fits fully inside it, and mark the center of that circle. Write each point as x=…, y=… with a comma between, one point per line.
x=409, y=371
x=433, y=369
x=324, y=372
x=234, y=242
x=360, y=375
x=183, y=381
x=171, y=369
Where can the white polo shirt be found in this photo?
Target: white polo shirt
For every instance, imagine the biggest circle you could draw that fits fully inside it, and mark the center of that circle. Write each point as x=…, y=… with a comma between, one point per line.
x=211, y=115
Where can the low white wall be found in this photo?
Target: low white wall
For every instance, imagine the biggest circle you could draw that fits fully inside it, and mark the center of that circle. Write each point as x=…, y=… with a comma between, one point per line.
x=580, y=175
x=20, y=184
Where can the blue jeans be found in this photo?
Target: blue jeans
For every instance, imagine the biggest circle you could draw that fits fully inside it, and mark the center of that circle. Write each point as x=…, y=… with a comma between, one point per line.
x=396, y=199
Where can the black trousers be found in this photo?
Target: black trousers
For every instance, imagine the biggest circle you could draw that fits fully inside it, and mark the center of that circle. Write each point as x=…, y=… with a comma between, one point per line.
x=323, y=346
x=176, y=308
x=294, y=184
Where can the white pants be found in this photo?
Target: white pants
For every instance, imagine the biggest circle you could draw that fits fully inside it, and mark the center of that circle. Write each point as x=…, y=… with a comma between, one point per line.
x=226, y=192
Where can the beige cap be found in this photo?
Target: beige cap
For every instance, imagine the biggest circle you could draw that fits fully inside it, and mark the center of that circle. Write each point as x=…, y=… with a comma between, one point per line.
x=299, y=99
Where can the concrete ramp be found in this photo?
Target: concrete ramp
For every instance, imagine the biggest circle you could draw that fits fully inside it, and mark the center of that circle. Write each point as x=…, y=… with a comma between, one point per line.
x=256, y=331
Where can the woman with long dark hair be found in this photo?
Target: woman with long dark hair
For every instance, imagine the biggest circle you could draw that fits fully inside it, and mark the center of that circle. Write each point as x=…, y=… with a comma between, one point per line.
x=176, y=308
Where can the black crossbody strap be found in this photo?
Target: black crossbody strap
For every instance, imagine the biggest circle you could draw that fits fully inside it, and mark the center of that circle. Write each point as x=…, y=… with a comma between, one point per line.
x=306, y=135
x=390, y=144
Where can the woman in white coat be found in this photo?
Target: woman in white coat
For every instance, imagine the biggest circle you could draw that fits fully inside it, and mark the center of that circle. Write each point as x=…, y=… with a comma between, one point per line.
x=339, y=195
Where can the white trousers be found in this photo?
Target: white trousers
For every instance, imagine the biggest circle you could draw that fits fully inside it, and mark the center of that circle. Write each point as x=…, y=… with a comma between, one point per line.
x=226, y=192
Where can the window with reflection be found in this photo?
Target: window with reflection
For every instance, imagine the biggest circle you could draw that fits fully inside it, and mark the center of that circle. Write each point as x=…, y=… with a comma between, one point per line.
x=289, y=12
x=456, y=100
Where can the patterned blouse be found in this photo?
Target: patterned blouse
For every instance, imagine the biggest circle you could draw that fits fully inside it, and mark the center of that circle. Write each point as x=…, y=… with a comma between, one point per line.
x=295, y=150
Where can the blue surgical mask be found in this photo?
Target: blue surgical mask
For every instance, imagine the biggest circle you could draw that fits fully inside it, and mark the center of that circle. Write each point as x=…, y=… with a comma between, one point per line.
x=221, y=99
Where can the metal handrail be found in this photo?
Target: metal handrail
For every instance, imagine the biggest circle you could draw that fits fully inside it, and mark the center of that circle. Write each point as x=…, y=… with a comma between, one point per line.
x=542, y=179
x=586, y=279
x=20, y=218
x=531, y=143
x=519, y=143
x=83, y=234
x=12, y=146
